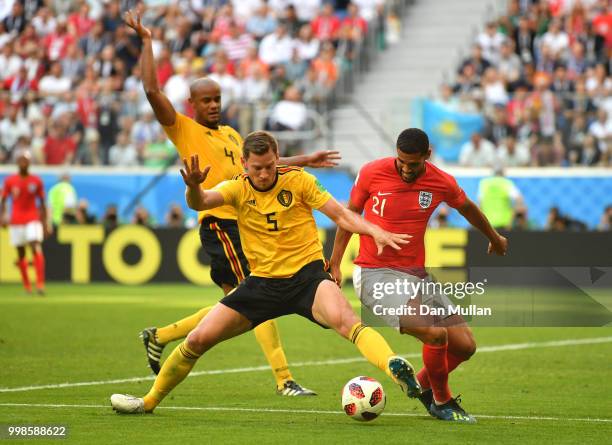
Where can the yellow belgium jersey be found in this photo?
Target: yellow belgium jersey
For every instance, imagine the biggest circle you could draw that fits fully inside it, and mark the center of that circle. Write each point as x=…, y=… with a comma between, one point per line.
x=221, y=149
x=277, y=229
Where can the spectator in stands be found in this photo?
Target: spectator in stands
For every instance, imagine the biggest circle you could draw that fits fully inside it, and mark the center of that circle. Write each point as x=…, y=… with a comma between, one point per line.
x=521, y=219
x=44, y=22
x=54, y=84
x=556, y=39
x=142, y=217
x=82, y=215
x=123, y=153
x=494, y=89
x=325, y=65
x=57, y=42
x=290, y=113
x=497, y=128
x=236, y=43
x=477, y=152
x=9, y=61
x=509, y=64
x=175, y=218
x=326, y=25
x=601, y=130
x=295, y=68
x=524, y=40
x=478, y=63
x=12, y=127
x=110, y=220
x=306, y=44
x=558, y=222
x=512, y=153
x=306, y=10
x=276, y=48
x=440, y=220
x=261, y=23
x=605, y=222
x=59, y=146
x=15, y=22
x=311, y=88
x=490, y=40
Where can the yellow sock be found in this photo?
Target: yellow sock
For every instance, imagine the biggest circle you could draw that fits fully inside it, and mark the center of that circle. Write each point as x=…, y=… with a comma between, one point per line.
x=269, y=340
x=181, y=328
x=174, y=370
x=372, y=346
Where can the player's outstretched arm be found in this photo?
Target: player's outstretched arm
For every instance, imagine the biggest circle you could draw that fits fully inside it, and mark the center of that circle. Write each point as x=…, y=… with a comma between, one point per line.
x=163, y=109
x=354, y=223
x=318, y=159
x=497, y=243
x=196, y=197
x=340, y=242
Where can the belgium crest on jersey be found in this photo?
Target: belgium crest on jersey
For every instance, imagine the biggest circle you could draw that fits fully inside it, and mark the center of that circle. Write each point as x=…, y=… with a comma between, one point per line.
x=285, y=197
x=425, y=199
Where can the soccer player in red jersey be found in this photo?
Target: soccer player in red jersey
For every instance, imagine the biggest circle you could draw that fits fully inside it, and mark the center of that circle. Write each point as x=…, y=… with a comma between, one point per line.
x=400, y=194
x=28, y=222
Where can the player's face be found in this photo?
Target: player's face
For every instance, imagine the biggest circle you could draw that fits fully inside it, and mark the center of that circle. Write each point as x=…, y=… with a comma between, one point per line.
x=206, y=102
x=262, y=169
x=410, y=165
x=23, y=163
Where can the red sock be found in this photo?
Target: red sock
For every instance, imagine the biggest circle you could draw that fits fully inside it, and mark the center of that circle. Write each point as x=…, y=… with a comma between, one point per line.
x=453, y=361
x=434, y=359
x=23, y=268
x=423, y=378
x=39, y=265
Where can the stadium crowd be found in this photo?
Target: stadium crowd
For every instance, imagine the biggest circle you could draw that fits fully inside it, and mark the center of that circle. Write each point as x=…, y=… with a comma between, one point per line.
x=541, y=75
x=71, y=87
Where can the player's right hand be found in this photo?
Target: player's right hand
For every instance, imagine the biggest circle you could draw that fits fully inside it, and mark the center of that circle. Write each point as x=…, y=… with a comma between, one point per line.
x=135, y=23
x=382, y=238
x=192, y=175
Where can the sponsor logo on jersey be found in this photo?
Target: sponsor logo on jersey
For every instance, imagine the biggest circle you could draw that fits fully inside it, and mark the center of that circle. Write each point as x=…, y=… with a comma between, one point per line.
x=251, y=202
x=285, y=197
x=425, y=199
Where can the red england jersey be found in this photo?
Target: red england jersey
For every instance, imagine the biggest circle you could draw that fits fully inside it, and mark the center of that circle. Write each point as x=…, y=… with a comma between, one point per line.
x=23, y=190
x=400, y=207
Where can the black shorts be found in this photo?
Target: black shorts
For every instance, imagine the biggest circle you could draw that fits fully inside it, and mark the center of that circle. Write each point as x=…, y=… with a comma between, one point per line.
x=261, y=299
x=221, y=241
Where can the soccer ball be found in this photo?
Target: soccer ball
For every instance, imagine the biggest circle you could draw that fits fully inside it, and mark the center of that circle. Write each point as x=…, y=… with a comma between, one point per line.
x=363, y=398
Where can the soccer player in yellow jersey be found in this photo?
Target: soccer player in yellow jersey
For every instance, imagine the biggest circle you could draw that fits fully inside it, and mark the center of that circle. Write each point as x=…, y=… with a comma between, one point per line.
x=220, y=147
x=274, y=206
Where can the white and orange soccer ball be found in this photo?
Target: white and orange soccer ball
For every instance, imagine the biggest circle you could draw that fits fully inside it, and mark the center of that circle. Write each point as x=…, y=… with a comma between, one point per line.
x=363, y=398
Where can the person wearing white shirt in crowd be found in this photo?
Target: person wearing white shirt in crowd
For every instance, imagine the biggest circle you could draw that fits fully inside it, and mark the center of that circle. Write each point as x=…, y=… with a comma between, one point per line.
x=493, y=87
x=256, y=86
x=243, y=9
x=10, y=62
x=307, y=10
x=44, y=22
x=367, y=8
x=290, y=113
x=601, y=130
x=54, y=84
x=509, y=64
x=306, y=44
x=477, y=152
x=490, y=40
x=123, y=154
x=512, y=153
x=12, y=127
x=277, y=47
x=177, y=86
x=556, y=39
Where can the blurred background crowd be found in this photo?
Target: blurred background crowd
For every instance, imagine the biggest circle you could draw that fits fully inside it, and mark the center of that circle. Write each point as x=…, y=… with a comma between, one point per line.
x=71, y=86
x=540, y=74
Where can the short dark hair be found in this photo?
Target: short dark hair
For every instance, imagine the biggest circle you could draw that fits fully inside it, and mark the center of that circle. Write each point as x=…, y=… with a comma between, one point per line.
x=259, y=142
x=413, y=140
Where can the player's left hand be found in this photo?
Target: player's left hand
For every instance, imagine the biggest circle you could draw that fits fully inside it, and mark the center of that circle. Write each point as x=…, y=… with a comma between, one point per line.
x=498, y=246
x=192, y=175
x=382, y=238
x=323, y=159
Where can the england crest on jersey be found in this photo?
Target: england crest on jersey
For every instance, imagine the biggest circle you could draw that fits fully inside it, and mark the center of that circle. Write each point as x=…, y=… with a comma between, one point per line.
x=425, y=199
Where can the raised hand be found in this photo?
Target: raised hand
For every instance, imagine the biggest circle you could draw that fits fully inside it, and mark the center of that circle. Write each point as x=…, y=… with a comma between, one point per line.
x=323, y=159
x=192, y=175
x=135, y=23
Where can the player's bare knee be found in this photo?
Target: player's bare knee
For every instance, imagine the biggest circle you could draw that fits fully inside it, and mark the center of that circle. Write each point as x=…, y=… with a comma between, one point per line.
x=199, y=342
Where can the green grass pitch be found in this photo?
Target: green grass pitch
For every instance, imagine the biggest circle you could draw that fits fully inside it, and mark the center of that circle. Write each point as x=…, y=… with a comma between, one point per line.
x=525, y=385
